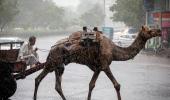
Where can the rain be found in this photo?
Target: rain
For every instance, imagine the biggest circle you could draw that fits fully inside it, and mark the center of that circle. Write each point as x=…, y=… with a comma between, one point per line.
x=141, y=68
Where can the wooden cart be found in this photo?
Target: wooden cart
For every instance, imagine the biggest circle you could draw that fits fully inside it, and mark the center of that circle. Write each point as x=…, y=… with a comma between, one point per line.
x=12, y=70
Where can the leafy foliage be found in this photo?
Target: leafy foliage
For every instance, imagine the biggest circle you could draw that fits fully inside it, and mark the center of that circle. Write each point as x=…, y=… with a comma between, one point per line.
x=94, y=16
x=39, y=14
x=8, y=10
x=131, y=12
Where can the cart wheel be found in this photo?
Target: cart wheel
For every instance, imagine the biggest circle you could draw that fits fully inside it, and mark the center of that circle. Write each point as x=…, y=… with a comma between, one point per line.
x=8, y=87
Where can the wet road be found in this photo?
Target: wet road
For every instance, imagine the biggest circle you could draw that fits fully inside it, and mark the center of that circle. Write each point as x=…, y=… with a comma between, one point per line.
x=143, y=78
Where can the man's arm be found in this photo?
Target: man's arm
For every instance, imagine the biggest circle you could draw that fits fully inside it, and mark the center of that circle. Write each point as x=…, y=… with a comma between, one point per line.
x=21, y=52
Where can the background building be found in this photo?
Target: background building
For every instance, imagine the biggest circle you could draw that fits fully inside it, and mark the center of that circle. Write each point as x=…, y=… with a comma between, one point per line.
x=158, y=16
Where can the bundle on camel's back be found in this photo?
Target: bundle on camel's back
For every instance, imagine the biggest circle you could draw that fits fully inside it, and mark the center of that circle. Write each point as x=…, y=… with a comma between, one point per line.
x=97, y=58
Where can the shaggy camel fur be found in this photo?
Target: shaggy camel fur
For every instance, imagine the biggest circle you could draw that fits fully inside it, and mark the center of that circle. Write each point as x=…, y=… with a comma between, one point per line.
x=96, y=58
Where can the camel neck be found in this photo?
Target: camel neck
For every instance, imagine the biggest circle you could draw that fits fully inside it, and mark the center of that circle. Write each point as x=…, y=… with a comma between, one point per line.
x=126, y=53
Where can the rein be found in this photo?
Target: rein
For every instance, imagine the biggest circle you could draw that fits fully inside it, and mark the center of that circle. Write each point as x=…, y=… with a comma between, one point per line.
x=43, y=50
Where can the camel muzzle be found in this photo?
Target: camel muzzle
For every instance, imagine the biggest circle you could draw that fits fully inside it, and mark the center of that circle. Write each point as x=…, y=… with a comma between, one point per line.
x=156, y=32
x=159, y=32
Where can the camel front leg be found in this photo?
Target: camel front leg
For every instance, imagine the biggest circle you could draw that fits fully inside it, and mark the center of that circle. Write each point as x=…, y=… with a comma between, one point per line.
x=115, y=83
x=38, y=80
x=58, y=84
x=92, y=83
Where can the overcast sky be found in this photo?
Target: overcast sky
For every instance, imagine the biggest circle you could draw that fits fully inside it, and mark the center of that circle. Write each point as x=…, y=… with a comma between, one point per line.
x=74, y=3
x=66, y=3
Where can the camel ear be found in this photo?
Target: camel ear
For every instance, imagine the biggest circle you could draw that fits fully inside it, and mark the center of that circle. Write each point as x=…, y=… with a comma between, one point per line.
x=143, y=28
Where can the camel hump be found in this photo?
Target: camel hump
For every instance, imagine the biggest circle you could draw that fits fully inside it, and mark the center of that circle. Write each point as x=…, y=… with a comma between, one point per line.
x=62, y=41
x=75, y=35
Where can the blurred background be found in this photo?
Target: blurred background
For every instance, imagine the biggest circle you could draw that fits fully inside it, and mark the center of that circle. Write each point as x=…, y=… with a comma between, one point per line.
x=45, y=17
x=146, y=77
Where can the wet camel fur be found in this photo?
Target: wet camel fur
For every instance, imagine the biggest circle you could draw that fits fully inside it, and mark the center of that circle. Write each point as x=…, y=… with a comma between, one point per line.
x=97, y=58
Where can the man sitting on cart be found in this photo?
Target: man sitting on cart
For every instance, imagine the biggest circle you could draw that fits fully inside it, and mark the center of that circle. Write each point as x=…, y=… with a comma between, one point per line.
x=28, y=54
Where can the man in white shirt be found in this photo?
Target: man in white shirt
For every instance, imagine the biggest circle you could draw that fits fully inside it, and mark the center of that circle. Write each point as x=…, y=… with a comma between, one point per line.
x=28, y=54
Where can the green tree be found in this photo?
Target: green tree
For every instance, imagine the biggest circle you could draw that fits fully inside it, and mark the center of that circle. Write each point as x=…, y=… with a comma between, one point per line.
x=8, y=10
x=39, y=14
x=94, y=16
x=49, y=15
x=131, y=12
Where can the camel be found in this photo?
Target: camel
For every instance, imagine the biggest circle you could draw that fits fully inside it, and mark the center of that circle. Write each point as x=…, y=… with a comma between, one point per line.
x=96, y=58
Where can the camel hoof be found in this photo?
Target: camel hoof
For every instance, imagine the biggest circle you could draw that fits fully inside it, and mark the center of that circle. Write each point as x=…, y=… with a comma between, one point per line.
x=34, y=98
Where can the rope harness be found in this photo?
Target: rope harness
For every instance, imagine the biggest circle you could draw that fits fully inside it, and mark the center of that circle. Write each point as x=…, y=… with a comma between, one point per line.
x=43, y=50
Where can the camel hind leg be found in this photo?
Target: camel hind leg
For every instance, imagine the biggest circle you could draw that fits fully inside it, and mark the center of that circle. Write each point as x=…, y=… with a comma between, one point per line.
x=58, y=74
x=115, y=83
x=38, y=80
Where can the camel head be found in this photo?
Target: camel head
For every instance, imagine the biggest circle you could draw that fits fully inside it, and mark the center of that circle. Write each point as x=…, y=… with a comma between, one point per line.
x=147, y=33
